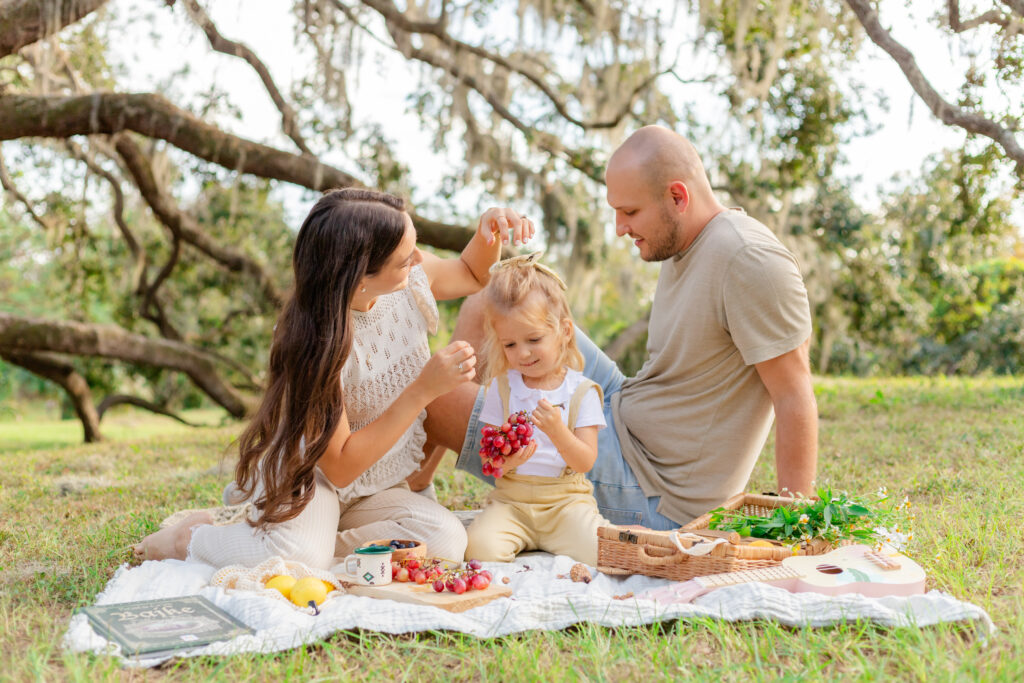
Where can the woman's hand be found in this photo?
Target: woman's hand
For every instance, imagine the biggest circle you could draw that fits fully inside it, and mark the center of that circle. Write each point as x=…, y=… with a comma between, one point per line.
x=453, y=278
x=514, y=460
x=496, y=223
x=448, y=368
x=350, y=453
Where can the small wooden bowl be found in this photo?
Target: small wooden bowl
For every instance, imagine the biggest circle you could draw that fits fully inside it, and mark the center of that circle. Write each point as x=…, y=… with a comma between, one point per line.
x=419, y=550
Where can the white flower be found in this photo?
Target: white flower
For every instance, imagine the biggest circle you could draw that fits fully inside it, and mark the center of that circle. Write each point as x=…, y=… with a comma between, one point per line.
x=804, y=519
x=895, y=538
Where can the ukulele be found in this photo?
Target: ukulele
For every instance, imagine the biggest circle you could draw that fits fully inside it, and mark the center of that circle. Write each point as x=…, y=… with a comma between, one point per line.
x=850, y=569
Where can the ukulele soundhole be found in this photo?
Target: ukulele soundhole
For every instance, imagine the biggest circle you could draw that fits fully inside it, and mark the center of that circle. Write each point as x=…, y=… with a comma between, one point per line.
x=829, y=569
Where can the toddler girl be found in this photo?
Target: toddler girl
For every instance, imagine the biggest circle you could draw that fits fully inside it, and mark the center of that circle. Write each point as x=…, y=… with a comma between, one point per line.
x=543, y=501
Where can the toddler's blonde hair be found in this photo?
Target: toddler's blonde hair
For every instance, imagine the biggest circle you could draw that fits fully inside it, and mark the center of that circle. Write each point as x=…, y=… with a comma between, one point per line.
x=512, y=287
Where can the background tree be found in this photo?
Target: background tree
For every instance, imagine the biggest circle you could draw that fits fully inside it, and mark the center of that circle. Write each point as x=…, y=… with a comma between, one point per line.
x=182, y=262
x=148, y=240
x=989, y=103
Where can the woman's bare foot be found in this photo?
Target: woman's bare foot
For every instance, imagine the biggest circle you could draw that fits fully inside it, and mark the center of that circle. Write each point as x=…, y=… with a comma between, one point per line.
x=171, y=543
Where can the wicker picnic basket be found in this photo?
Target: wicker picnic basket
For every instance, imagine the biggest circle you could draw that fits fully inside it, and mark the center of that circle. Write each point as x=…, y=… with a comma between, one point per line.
x=624, y=550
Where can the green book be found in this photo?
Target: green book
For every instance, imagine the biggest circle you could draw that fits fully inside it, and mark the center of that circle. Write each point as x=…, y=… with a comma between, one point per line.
x=159, y=627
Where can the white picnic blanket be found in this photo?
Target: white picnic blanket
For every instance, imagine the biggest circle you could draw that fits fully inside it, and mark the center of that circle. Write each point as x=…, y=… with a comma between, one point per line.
x=540, y=601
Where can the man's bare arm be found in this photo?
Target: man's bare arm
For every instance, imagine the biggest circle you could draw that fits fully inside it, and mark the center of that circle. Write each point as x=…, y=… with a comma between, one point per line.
x=788, y=381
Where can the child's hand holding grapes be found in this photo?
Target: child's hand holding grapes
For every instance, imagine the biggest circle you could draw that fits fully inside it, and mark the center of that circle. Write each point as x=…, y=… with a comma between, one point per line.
x=548, y=419
x=516, y=459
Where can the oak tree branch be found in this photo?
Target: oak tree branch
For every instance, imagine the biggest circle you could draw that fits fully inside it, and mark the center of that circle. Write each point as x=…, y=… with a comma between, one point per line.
x=23, y=334
x=949, y=114
x=154, y=116
x=233, y=48
x=23, y=22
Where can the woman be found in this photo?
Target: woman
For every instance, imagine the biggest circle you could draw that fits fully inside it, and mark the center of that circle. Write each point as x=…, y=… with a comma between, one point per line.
x=325, y=458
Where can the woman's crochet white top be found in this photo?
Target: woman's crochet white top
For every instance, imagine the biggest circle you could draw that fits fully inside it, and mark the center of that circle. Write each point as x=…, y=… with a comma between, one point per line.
x=389, y=349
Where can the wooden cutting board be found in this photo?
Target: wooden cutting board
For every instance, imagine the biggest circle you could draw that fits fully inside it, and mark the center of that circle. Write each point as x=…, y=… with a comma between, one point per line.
x=424, y=594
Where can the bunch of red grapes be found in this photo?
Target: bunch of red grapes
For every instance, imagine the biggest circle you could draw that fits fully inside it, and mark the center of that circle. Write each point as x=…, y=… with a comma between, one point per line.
x=497, y=443
x=416, y=569
x=473, y=576
x=459, y=580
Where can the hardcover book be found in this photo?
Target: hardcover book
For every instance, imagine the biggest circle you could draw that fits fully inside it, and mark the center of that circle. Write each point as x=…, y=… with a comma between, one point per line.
x=157, y=627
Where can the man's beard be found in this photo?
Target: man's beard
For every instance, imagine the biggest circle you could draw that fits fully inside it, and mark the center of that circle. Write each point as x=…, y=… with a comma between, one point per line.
x=667, y=244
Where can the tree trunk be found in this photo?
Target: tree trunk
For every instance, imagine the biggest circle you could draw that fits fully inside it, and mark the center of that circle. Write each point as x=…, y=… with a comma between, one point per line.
x=63, y=373
x=110, y=341
x=828, y=337
x=23, y=22
x=629, y=336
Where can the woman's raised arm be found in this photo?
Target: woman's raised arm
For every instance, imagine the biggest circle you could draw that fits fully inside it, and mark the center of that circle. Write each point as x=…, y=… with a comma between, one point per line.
x=454, y=278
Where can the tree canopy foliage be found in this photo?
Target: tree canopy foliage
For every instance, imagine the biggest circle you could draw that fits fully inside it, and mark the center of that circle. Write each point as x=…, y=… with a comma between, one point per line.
x=146, y=242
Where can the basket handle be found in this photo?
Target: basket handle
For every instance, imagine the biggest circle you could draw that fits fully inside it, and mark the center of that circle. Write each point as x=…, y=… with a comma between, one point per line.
x=645, y=557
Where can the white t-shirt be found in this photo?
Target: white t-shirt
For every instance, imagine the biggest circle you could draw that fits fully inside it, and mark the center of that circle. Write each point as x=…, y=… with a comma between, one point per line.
x=547, y=461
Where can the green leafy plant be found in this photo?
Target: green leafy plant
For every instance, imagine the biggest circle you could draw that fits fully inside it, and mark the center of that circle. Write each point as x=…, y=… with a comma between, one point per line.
x=835, y=516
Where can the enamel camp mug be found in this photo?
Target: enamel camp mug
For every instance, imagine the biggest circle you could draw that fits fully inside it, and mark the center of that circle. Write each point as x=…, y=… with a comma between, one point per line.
x=369, y=566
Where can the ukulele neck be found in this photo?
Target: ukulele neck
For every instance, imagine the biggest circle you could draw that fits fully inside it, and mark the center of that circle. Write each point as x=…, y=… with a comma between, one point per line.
x=766, y=575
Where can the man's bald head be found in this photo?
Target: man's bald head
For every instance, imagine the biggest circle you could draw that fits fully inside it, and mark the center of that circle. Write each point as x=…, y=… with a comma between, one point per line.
x=661, y=195
x=662, y=156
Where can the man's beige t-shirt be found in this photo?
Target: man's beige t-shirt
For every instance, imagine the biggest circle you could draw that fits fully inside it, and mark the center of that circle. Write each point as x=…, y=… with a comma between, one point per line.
x=694, y=419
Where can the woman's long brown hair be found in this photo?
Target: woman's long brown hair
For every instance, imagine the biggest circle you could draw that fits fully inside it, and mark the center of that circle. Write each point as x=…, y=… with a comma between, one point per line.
x=347, y=235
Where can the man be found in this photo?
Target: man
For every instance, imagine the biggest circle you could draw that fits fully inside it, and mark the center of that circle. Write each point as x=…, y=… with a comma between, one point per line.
x=727, y=343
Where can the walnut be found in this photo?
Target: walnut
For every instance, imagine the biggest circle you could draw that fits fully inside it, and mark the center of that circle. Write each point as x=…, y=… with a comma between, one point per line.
x=579, y=572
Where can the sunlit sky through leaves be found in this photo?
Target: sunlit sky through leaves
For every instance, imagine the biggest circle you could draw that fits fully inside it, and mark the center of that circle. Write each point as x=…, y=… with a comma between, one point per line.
x=907, y=132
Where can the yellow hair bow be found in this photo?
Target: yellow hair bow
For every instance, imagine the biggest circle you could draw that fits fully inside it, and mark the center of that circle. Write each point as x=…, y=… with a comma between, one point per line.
x=531, y=260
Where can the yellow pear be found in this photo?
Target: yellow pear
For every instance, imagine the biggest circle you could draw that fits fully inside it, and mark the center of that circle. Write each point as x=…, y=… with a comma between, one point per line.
x=308, y=589
x=282, y=583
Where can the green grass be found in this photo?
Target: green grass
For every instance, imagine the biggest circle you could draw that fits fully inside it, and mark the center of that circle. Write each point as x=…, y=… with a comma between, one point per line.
x=33, y=431
x=69, y=512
